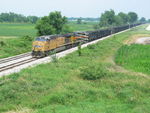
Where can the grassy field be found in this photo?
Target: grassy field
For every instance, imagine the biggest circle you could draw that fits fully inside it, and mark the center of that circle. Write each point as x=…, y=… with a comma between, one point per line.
x=20, y=29
x=14, y=46
x=12, y=38
x=135, y=57
x=87, y=26
x=17, y=29
x=90, y=83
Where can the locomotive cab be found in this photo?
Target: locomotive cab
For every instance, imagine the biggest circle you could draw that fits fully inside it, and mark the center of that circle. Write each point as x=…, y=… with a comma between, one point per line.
x=38, y=47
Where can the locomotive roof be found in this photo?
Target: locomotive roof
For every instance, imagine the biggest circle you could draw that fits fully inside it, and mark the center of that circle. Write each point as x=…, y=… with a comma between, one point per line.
x=49, y=37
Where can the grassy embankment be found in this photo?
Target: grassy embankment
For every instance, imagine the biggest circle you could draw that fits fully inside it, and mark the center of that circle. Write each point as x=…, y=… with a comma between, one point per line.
x=13, y=43
x=91, y=83
x=134, y=57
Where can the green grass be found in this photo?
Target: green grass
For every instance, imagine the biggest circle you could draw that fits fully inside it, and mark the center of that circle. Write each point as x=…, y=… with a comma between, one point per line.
x=135, y=57
x=12, y=40
x=14, y=46
x=17, y=29
x=89, y=83
x=85, y=26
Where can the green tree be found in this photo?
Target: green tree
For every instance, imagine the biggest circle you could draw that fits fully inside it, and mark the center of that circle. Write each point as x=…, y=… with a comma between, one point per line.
x=66, y=29
x=13, y=17
x=79, y=49
x=96, y=27
x=124, y=17
x=142, y=20
x=52, y=24
x=118, y=21
x=133, y=17
x=107, y=18
x=57, y=21
x=32, y=19
x=79, y=21
x=44, y=27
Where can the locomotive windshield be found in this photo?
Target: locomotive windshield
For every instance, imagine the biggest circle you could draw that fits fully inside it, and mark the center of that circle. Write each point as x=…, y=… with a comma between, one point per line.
x=40, y=39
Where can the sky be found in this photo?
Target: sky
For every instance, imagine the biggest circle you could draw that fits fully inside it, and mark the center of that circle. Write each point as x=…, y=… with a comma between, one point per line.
x=75, y=8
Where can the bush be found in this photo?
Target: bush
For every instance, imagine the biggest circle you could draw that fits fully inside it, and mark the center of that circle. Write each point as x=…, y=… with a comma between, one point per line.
x=27, y=38
x=91, y=46
x=79, y=49
x=2, y=43
x=94, y=72
x=66, y=29
x=53, y=56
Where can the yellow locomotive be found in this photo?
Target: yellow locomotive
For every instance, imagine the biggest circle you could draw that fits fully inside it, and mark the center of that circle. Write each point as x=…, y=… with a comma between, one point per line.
x=43, y=45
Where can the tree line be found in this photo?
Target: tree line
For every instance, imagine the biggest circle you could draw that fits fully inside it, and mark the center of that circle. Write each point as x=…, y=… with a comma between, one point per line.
x=17, y=18
x=55, y=23
x=83, y=19
x=110, y=18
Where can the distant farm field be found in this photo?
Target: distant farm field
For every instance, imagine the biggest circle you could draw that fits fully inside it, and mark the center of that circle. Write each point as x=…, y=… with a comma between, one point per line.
x=85, y=26
x=16, y=29
x=9, y=30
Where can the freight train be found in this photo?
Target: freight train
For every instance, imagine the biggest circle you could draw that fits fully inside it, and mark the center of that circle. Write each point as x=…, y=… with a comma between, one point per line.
x=44, y=45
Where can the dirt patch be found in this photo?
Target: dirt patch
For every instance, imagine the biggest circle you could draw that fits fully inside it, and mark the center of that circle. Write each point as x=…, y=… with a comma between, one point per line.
x=148, y=28
x=7, y=37
x=144, y=40
x=21, y=110
x=120, y=69
x=138, y=38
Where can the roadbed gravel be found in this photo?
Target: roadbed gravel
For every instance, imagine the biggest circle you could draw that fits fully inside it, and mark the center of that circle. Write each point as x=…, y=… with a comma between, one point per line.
x=143, y=40
x=148, y=28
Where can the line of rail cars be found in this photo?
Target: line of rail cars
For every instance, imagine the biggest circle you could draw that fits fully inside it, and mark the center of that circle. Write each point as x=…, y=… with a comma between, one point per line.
x=43, y=45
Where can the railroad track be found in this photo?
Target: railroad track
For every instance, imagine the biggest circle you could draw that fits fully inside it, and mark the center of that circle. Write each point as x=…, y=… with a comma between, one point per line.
x=10, y=66
x=2, y=61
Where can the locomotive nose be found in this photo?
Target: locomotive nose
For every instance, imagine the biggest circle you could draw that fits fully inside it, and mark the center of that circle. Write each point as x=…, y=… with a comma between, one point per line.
x=37, y=46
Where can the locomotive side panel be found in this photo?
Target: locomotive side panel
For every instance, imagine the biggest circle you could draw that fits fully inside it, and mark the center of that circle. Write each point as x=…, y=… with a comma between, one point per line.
x=60, y=41
x=52, y=44
x=57, y=42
